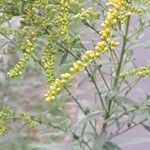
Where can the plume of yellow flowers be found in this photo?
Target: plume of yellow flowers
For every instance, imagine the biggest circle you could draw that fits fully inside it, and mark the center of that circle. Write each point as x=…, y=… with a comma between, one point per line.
x=48, y=59
x=27, y=119
x=86, y=14
x=117, y=7
x=64, y=19
x=28, y=49
x=140, y=72
x=5, y=114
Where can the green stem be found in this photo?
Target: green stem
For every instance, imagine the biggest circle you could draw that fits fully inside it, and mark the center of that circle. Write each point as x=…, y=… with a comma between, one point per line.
x=136, y=124
x=99, y=93
x=115, y=85
x=122, y=52
x=81, y=108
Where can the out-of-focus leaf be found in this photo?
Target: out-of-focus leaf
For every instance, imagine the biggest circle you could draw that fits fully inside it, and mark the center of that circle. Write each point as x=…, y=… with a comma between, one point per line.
x=90, y=117
x=100, y=141
x=64, y=57
x=132, y=141
x=125, y=103
x=111, y=146
x=130, y=118
x=84, y=80
x=71, y=146
x=97, y=66
x=89, y=104
x=76, y=25
x=147, y=127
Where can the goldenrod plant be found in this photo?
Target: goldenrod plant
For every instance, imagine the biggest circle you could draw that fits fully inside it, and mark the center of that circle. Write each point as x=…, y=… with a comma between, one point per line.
x=49, y=39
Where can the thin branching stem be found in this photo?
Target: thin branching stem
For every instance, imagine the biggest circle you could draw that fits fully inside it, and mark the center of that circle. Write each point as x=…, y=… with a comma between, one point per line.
x=81, y=108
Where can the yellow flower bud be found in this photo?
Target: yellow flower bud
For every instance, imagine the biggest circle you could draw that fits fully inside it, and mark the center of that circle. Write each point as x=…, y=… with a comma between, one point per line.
x=104, y=25
x=49, y=98
x=76, y=66
x=90, y=54
x=85, y=58
x=113, y=43
x=63, y=81
x=66, y=76
x=97, y=54
x=97, y=48
x=101, y=44
x=114, y=21
x=80, y=63
x=72, y=70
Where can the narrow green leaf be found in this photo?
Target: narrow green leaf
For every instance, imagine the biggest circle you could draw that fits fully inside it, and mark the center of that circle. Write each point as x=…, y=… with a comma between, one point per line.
x=90, y=117
x=64, y=57
x=125, y=103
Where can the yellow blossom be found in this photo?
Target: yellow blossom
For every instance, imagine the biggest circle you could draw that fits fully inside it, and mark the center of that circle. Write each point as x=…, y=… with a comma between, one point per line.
x=140, y=72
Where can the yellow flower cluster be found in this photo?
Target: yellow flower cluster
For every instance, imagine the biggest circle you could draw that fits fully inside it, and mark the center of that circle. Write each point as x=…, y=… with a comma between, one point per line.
x=64, y=20
x=124, y=5
x=74, y=69
x=28, y=49
x=89, y=56
x=74, y=2
x=86, y=14
x=39, y=28
x=140, y=72
x=26, y=30
x=48, y=60
x=5, y=113
x=125, y=9
x=110, y=21
x=117, y=4
x=133, y=8
x=28, y=119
